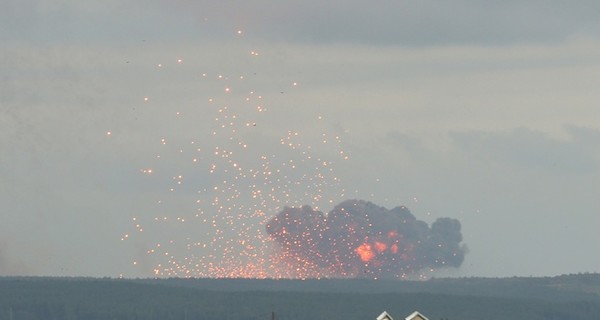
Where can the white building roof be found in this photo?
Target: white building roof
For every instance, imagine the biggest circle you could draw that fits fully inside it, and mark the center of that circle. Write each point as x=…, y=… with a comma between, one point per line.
x=416, y=316
x=384, y=316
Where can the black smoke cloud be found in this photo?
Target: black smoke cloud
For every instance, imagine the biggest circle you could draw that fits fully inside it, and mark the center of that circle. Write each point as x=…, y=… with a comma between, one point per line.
x=360, y=239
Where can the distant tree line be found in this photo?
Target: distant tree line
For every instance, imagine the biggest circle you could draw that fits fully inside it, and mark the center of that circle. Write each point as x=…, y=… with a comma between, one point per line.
x=90, y=299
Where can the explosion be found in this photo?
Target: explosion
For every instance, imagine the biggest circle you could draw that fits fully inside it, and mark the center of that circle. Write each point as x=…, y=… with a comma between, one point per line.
x=360, y=239
x=237, y=152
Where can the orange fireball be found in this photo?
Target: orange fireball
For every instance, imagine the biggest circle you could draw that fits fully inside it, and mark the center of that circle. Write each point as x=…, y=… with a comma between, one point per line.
x=380, y=246
x=365, y=252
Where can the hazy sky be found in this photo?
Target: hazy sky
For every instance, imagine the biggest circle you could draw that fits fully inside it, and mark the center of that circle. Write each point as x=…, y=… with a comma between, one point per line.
x=484, y=112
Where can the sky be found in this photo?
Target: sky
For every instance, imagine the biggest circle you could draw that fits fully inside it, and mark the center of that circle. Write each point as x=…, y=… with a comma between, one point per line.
x=143, y=138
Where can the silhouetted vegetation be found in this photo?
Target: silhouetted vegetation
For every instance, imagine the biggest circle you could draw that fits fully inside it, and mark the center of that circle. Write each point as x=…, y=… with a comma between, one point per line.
x=566, y=297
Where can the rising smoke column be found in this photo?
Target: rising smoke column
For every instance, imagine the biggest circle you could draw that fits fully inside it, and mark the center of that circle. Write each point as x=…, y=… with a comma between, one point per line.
x=360, y=239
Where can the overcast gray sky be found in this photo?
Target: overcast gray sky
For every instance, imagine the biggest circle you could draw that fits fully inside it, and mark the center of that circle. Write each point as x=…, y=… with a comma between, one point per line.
x=110, y=128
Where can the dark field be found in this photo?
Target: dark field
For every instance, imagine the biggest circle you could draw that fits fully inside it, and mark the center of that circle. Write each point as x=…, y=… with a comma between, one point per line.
x=565, y=297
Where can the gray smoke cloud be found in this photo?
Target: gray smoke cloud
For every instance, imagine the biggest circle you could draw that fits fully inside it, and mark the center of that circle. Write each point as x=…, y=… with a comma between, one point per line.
x=360, y=239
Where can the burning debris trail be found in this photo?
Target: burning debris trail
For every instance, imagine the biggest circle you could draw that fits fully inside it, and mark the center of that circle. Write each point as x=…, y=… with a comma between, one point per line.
x=360, y=239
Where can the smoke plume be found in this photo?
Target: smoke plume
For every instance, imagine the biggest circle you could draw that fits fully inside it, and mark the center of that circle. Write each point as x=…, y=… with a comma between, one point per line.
x=360, y=239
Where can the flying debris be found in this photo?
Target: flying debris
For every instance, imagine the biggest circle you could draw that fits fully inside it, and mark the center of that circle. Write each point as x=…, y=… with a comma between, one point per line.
x=360, y=239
